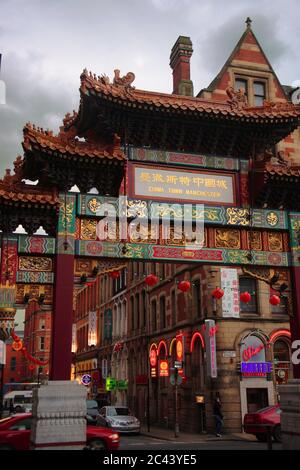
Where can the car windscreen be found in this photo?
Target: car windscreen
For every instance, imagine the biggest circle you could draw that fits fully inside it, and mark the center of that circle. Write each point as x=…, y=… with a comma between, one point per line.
x=115, y=411
x=91, y=404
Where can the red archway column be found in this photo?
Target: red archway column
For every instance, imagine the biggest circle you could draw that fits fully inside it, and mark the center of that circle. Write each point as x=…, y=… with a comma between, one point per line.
x=61, y=350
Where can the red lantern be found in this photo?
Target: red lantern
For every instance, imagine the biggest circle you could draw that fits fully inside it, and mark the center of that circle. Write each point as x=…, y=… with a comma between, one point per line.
x=245, y=297
x=17, y=345
x=151, y=280
x=114, y=274
x=218, y=293
x=184, y=286
x=274, y=300
x=31, y=367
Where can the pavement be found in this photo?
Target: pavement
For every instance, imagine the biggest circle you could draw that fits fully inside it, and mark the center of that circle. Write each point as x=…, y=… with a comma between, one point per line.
x=168, y=435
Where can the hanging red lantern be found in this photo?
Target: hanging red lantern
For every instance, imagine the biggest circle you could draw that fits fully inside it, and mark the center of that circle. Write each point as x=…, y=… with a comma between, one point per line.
x=218, y=293
x=114, y=274
x=17, y=345
x=151, y=280
x=184, y=286
x=245, y=297
x=31, y=367
x=274, y=300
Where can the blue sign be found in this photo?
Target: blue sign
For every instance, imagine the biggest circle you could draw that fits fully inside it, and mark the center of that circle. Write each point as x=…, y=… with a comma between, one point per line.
x=86, y=379
x=256, y=368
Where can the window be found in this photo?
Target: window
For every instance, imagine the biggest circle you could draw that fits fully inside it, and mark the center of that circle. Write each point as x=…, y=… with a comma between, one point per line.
x=241, y=84
x=282, y=363
x=162, y=311
x=23, y=425
x=259, y=92
x=173, y=307
x=137, y=311
x=153, y=315
x=42, y=324
x=196, y=298
x=13, y=363
x=283, y=307
x=248, y=284
x=42, y=343
x=144, y=308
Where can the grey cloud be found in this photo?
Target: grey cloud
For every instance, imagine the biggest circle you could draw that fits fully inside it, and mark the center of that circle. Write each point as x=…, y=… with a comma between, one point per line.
x=29, y=98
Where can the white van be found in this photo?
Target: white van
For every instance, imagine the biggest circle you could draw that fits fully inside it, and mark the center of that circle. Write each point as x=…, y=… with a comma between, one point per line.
x=18, y=401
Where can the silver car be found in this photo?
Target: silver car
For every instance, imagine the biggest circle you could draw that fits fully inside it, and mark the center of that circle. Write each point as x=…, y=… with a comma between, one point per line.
x=119, y=418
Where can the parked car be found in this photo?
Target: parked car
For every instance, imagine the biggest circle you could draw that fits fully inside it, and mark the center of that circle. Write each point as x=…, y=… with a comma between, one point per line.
x=15, y=435
x=257, y=423
x=92, y=411
x=119, y=418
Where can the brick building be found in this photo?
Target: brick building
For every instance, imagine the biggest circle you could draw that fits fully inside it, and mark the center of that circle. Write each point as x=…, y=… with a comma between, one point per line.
x=140, y=318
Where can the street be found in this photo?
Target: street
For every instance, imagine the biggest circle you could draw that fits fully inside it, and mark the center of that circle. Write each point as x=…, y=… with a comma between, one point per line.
x=149, y=443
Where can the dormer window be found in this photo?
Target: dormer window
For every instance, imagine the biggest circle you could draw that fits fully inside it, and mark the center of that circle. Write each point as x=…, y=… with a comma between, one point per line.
x=254, y=89
x=259, y=92
x=241, y=84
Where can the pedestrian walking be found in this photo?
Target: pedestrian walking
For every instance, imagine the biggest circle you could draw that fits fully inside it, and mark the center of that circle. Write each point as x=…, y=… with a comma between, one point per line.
x=218, y=416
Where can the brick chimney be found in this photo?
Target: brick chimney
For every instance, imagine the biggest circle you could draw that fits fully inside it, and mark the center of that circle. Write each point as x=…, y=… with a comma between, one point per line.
x=180, y=64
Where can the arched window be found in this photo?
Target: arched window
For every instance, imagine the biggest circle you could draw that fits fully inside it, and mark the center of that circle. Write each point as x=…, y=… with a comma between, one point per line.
x=132, y=313
x=137, y=311
x=162, y=312
x=153, y=315
x=197, y=366
x=144, y=309
x=282, y=361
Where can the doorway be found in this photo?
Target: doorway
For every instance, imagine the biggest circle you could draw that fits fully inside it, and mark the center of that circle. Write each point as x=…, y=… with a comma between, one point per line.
x=257, y=398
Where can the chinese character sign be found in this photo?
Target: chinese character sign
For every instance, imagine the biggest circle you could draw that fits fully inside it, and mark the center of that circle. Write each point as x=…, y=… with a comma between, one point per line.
x=183, y=185
x=210, y=346
x=230, y=299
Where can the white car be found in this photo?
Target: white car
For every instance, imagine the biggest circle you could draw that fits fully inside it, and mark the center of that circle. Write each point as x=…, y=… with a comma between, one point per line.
x=119, y=418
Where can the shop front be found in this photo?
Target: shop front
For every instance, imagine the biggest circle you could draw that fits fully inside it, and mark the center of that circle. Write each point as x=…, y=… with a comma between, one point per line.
x=256, y=384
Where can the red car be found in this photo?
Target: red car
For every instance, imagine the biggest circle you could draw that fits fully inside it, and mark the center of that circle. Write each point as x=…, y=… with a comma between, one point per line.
x=15, y=435
x=257, y=423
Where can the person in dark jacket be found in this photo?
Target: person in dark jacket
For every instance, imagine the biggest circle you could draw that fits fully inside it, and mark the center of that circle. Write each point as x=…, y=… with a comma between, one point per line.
x=218, y=416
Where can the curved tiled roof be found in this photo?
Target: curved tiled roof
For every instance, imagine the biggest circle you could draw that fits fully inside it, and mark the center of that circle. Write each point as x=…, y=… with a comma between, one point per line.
x=282, y=170
x=67, y=144
x=141, y=99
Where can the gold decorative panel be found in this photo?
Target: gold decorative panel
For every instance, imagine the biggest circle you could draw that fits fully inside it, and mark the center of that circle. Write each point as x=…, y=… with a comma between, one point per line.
x=88, y=229
x=275, y=241
x=35, y=263
x=225, y=238
x=237, y=216
x=254, y=241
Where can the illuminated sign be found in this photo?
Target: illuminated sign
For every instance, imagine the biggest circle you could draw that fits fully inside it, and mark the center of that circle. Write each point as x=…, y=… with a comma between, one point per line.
x=163, y=368
x=160, y=183
x=180, y=340
x=253, y=349
x=110, y=384
x=153, y=358
x=256, y=369
x=210, y=346
x=86, y=379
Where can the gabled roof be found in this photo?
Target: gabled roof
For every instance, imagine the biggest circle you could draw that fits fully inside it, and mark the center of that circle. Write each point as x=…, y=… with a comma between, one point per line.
x=238, y=55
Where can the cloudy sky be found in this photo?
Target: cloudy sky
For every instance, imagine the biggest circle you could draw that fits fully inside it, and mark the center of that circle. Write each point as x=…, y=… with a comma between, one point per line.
x=45, y=44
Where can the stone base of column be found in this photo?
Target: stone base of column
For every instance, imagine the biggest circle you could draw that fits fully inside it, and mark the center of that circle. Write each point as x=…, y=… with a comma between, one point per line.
x=290, y=416
x=59, y=412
